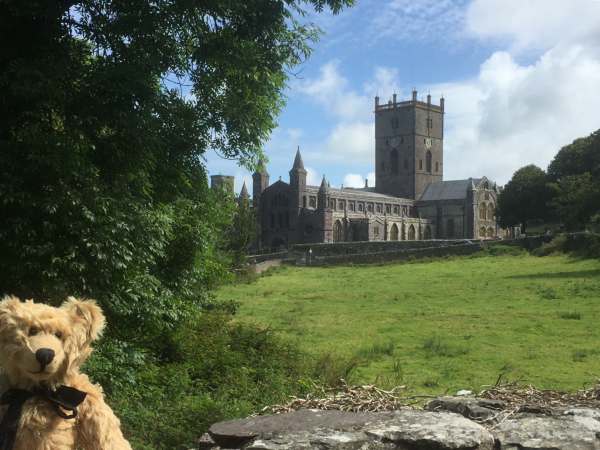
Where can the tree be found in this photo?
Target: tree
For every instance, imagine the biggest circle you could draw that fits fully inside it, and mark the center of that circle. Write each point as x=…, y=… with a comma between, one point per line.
x=524, y=198
x=105, y=113
x=575, y=176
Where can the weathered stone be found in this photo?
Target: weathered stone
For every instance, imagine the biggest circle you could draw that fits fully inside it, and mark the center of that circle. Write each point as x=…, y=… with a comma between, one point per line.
x=336, y=430
x=469, y=407
x=574, y=430
x=433, y=430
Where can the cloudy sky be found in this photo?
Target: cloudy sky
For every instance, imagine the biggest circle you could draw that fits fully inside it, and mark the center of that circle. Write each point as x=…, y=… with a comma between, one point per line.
x=521, y=78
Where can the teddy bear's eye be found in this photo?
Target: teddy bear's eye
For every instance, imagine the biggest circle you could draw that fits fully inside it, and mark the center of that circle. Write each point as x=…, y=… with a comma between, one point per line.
x=58, y=334
x=33, y=331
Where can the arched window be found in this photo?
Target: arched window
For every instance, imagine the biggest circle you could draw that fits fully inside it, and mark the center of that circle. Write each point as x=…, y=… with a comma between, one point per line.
x=338, y=231
x=490, y=212
x=411, y=233
x=427, y=232
x=482, y=211
x=428, y=161
x=394, y=161
x=437, y=166
x=482, y=233
x=394, y=233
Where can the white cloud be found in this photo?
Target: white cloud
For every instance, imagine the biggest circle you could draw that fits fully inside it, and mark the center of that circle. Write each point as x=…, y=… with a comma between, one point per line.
x=354, y=180
x=313, y=177
x=540, y=24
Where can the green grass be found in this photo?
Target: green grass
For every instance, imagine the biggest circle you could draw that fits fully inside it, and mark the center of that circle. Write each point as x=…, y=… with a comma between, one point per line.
x=440, y=325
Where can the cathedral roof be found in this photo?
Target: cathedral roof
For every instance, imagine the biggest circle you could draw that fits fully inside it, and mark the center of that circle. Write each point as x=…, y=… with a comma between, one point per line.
x=448, y=190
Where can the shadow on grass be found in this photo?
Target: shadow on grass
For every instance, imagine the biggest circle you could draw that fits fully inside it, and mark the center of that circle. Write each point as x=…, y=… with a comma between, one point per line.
x=558, y=275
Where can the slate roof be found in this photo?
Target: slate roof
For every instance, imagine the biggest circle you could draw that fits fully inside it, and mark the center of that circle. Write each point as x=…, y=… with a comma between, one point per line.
x=448, y=190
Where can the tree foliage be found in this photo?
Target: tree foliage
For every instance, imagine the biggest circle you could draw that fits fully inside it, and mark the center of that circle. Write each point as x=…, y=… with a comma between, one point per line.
x=524, y=198
x=106, y=111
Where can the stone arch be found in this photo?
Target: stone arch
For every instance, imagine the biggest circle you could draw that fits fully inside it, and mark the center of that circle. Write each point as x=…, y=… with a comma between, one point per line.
x=482, y=233
x=482, y=211
x=490, y=211
x=394, y=233
x=411, y=233
x=490, y=232
x=394, y=162
x=427, y=232
x=338, y=231
x=403, y=233
x=428, y=161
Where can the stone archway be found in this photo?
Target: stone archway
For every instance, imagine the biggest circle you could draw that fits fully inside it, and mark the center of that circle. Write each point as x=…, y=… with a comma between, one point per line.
x=338, y=231
x=394, y=233
x=411, y=233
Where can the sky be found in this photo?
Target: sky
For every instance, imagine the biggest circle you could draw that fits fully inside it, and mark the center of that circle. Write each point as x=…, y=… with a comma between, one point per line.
x=521, y=79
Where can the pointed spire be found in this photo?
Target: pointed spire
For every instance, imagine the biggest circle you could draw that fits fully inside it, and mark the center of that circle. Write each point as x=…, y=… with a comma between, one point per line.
x=298, y=164
x=244, y=192
x=324, y=184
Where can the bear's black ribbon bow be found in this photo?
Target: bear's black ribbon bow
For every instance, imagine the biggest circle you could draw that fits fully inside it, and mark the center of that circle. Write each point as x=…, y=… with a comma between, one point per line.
x=63, y=398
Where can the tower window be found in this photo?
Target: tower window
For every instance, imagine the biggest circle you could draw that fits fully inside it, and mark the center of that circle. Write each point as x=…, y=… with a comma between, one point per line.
x=420, y=164
x=394, y=161
x=437, y=166
x=428, y=161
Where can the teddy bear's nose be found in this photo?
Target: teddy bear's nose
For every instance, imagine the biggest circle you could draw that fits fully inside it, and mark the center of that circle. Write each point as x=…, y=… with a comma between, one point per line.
x=44, y=356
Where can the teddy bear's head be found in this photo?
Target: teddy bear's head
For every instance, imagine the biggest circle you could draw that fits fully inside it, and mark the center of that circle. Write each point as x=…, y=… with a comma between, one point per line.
x=42, y=344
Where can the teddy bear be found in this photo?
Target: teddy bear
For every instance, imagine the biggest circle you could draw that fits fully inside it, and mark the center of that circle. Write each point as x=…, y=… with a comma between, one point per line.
x=46, y=403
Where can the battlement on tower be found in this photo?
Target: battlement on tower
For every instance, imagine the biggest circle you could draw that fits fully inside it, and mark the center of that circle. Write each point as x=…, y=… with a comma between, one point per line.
x=393, y=103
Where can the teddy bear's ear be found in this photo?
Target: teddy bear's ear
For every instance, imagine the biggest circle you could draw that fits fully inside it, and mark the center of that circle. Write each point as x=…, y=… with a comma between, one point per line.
x=8, y=306
x=87, y=317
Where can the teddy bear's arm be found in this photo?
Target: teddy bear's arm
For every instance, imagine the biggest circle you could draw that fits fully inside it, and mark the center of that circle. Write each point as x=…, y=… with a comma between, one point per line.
x=98, y=428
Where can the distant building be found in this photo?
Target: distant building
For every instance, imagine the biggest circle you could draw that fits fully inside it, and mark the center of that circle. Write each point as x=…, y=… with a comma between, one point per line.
x=410, y=199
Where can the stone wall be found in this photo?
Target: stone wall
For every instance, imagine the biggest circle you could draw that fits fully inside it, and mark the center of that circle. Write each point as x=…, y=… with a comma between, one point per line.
x=447, y=423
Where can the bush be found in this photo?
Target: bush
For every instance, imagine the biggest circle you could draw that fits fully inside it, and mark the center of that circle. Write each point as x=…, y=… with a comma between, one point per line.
x=209, y=369
x=585, y=245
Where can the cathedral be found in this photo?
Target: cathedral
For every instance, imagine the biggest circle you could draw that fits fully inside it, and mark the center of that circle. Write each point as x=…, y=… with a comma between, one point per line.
x=410, y=199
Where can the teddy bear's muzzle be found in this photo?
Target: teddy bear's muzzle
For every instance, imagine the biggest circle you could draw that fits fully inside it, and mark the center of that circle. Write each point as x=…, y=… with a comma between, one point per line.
x=44, y=356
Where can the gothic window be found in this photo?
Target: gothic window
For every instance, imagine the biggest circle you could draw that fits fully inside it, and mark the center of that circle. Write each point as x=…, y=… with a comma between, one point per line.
x=428, y=161
x=394, y=161
x=378, y=208
x=482, y=211
x=370, y=207
x=312, y=202
x=351, y=206
x=427, y=232
x=388, y=209
x=490, y=212
x=411, y=233
x=437, y=166
x=482, y=232
x=338, y=231
x=394, y=233
x=341, y=205
x=361, y=207
x=420, y=164
x=396, y=210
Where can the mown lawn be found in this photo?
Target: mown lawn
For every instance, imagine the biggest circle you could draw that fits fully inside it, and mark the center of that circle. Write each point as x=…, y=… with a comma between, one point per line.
x=441, y=325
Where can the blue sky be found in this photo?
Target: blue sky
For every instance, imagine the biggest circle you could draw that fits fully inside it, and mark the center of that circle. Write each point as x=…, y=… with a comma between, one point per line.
x=521, y=78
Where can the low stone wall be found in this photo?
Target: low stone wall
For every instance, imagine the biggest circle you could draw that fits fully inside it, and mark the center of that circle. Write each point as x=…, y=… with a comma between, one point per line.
x=447, y=423
x=381, y=253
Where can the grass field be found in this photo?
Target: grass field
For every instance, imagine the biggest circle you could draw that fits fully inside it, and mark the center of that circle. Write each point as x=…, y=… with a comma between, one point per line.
x=441, y=325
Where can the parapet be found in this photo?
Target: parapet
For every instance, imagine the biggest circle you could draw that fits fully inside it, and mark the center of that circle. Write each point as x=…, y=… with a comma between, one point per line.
x=393, y=103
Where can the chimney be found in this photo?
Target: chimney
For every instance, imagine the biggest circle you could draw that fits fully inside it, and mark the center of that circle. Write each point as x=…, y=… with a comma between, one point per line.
x=366, y=183
x=442, y=103
x=414, y=95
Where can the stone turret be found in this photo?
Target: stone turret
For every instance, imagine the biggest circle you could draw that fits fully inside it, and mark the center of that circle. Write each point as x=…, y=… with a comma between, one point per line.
x=244, y=197
x=298, y=180
x=260, y=181
x=323, y=196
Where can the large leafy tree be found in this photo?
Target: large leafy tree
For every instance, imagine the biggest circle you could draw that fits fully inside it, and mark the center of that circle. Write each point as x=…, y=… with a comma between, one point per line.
x=524, y=198
x=106, y=110
x=575, y=179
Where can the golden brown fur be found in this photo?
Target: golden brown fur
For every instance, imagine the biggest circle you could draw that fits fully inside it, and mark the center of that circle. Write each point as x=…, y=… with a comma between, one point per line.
x=26, y=327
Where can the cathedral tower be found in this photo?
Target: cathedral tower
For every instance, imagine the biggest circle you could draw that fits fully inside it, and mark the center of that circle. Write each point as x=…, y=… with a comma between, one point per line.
x=298, y=181
x=409, y=146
